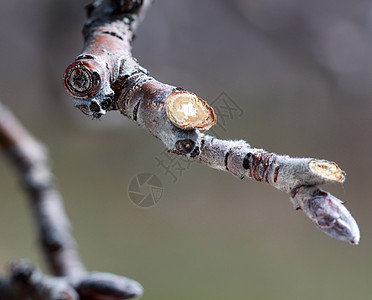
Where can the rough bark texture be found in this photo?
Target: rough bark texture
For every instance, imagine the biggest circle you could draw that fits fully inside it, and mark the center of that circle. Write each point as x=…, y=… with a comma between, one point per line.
x=118, y=82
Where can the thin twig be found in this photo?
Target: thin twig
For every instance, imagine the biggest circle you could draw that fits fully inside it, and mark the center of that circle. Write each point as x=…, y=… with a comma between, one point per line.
x=106, y=77
x=70, y=280
x=30, y=159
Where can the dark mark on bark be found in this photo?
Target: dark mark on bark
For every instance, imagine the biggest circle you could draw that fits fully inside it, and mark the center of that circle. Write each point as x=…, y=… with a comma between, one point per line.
x=226, y=158
x=135, y=110
x=246, y=162
x=85, y=56
x=114, y=34
x=266, y=165
x=180, y=89
x=276, y=174
x=294, y=191
x=196, y=152
x=107, y=103
x=94, y=107
x=257, y=159
x=273, y=161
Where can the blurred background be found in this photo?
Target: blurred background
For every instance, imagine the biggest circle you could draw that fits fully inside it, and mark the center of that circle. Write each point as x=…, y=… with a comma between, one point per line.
x=300, y=73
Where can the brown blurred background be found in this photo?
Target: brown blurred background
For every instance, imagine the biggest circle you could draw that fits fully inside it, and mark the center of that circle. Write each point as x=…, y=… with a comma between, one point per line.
x=300, y=70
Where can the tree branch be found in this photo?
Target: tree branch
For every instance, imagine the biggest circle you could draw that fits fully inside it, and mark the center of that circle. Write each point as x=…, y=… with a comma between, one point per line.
x=106, y=77
x=25, y=282
x=70, y=280
x=29, y=157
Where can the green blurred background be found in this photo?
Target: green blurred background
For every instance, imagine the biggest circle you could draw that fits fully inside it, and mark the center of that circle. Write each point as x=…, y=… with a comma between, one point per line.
x=301, y=72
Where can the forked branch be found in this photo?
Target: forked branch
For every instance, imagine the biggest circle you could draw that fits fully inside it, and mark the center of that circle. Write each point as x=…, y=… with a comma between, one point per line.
x=70, y=280
x=106, y=77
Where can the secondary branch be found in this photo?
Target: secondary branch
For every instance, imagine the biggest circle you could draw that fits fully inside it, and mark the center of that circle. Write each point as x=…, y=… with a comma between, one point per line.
x=70, y=281
x=30, y=159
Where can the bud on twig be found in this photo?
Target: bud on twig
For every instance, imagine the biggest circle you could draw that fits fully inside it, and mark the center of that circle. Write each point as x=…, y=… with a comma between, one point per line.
x=327, y=213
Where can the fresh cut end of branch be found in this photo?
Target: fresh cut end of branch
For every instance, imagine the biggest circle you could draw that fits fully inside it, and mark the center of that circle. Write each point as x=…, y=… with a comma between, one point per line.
x=186, y=111
x=328, y=170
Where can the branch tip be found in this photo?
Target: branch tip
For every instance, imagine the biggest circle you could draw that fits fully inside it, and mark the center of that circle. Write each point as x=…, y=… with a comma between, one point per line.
x=328, y=214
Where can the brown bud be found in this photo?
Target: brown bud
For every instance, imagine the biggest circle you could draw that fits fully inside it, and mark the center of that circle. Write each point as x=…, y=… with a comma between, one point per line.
x=82, y=79
x=186, y=111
